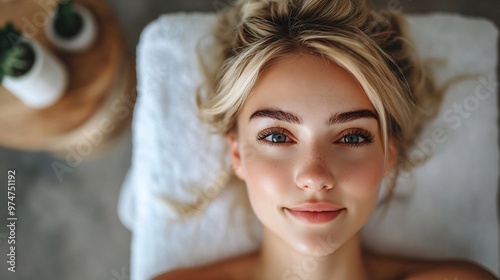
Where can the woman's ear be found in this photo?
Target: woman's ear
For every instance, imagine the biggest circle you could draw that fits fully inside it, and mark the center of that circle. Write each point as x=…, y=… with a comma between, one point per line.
x=235, y=154
x=391, y=157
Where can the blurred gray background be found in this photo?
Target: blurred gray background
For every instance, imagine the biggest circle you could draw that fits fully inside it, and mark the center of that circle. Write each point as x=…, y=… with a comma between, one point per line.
x=70, y=229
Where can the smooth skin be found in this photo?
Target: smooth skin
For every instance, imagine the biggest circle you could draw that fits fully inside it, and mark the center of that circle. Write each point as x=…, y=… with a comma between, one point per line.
x=308, y=133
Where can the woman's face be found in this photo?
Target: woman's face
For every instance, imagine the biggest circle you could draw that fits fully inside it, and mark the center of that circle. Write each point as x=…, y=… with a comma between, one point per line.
x=308, y=134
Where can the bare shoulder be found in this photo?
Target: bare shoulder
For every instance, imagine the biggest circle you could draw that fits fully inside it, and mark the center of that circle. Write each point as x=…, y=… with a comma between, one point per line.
x=388, y=267
x=235, y=268
x=453, y=270
x=180, y=273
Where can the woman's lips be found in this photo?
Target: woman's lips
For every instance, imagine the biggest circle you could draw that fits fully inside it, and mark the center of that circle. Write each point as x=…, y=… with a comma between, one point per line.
x=315, y=213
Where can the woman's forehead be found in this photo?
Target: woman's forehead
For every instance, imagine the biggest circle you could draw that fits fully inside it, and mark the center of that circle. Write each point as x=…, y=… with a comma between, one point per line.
x=308, y=83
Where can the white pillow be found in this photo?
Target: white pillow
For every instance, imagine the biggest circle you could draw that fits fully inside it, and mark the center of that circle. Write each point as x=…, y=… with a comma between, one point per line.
x=448, y=209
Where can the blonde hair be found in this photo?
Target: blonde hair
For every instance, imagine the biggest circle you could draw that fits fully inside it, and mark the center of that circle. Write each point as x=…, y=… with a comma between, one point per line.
x=370, y=45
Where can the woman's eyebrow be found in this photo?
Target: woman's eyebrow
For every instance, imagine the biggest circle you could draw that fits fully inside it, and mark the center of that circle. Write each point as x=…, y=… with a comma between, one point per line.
x=352, y=115
x=277, y=115
x=335, y=119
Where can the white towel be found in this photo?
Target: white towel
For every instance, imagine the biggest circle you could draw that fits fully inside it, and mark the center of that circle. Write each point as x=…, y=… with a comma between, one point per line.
x=451, y=210
x=449, y=207
x=176, y=161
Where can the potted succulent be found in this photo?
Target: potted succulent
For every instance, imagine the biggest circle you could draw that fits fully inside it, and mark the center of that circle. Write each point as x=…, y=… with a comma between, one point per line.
x=71, y=28
x=28, y=71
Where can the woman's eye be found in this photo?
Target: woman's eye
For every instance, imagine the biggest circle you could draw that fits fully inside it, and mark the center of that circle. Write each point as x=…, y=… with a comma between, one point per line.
x=352, y=139
x=274, y=136
x=356, y=137
x=277, y=138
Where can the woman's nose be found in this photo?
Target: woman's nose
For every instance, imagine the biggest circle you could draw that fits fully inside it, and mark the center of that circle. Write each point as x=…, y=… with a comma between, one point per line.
x=314, y=173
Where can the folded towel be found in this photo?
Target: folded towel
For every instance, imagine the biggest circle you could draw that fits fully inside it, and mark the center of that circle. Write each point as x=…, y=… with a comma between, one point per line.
x=185, y=209
x=179, y=199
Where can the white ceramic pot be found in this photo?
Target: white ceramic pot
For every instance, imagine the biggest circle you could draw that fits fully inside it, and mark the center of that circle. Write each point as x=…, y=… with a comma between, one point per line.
x=81, y=41
x=44, y=84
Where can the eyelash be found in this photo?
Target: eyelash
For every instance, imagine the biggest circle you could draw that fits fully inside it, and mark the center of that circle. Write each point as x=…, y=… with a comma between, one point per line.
x=366, y=135
x=262, y=135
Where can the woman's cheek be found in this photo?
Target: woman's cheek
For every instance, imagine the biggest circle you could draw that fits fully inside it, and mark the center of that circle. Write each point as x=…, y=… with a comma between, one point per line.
x=267, y=169
x=359, y=183
x=267, y=176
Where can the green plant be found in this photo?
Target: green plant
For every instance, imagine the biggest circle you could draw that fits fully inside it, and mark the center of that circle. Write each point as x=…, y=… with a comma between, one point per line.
x=67, y=22
x=16, y=54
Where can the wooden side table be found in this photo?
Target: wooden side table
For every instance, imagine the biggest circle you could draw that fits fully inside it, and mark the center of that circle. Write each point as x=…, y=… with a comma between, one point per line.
x=99, y=101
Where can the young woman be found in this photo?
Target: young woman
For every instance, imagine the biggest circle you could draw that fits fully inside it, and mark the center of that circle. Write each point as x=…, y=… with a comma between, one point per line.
x=320, y=101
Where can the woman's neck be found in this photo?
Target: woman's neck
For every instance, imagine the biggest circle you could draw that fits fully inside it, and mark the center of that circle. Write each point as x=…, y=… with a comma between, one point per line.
x=277, y=260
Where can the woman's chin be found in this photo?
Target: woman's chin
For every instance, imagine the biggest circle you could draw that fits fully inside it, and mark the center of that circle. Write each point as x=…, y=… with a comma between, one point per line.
x=316, y=246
